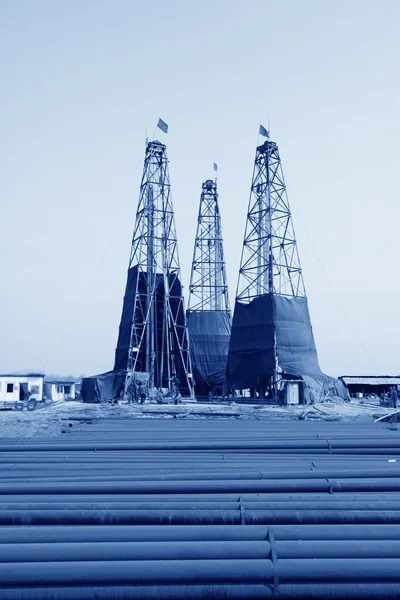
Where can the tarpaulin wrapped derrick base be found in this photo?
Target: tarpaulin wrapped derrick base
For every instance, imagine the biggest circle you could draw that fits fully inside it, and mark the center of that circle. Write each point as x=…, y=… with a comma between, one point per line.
x=209, y=332
x=124, y=335
x=108, y=386
x=271, y=324
x=251, y=348
x=134, y=287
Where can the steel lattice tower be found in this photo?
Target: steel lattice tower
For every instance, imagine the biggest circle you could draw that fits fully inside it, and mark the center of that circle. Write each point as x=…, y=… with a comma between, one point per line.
x=270, y=261
x=272, y=350
x=209, y=315
x=208, y=283
x=269, y=269
x=158, y=336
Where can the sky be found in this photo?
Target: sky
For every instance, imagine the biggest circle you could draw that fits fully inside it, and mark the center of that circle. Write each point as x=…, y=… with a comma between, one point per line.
x=82, y=84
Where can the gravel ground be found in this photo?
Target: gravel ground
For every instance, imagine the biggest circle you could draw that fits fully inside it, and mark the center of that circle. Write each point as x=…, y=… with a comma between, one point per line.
x=52, y=419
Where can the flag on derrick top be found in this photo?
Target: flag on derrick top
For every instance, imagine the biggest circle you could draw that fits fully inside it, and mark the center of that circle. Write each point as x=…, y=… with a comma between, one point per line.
x=215, y=167
x=162, y=125
x=264, y=132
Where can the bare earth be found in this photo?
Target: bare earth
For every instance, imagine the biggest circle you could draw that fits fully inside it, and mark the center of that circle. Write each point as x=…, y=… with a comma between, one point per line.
x=53, y=419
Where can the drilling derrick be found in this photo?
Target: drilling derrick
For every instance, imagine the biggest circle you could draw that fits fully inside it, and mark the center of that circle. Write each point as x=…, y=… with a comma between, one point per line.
x=272, y=340
x=208, y=285
x=209, y=315
x=270, y=262
x=153, y=337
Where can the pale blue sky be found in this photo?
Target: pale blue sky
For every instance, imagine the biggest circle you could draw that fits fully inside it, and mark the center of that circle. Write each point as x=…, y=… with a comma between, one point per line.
x=81, y=80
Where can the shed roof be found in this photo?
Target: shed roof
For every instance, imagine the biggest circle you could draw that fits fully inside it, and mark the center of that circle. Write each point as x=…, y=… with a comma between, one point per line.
x=371, y=379
x=61, y=381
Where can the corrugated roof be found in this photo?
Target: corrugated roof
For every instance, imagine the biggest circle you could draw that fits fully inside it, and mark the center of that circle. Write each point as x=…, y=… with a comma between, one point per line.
x=371, y=380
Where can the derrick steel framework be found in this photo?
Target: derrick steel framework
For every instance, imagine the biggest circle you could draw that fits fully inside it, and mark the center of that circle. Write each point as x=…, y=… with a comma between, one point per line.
x=208, y=282
x=270, y=261
x=155, y=253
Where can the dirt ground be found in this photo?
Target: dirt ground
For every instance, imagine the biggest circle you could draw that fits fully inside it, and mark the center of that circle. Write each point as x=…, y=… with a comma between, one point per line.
x=51, y=420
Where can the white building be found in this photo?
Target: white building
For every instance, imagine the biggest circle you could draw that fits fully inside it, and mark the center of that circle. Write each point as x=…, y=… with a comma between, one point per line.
x=14, y=387
x=60, y=390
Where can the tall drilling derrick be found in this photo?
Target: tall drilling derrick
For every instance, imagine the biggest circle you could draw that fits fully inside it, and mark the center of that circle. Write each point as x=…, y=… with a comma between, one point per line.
x=209, y=315
x=153, y=336
x=270, y=261
x=272, y=338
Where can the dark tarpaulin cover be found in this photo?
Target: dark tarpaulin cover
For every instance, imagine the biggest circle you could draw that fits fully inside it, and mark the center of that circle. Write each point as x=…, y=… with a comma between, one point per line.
x=296, y=350
x=209, y=333
x=121, y=353
x=102, y=388
x=175, y=298
x=273, y=319
x=295, y=345
x=251, y=348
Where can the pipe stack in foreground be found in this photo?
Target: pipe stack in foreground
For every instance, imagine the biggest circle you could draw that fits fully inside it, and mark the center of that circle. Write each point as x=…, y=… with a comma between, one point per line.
x=185, y=509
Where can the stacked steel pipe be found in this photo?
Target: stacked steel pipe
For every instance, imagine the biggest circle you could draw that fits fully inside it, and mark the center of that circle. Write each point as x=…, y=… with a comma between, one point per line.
x=177, y=508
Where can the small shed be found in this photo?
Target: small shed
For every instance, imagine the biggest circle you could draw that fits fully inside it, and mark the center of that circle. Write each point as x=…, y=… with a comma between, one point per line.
x=364, y=385
x=57, y=390
x=16, y=387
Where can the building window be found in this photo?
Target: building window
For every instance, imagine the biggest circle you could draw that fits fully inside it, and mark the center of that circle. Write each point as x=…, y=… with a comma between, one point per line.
x=34, y=389
x=10, y=388
x=67, y=389
x=60, y=389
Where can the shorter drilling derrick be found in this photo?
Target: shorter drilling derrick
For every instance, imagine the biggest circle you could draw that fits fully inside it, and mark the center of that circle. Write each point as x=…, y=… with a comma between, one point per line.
x=208, y=285
x=153, y=336
x=272, y=339
x=209, y=315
